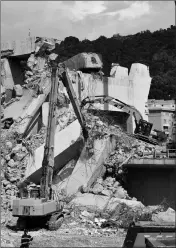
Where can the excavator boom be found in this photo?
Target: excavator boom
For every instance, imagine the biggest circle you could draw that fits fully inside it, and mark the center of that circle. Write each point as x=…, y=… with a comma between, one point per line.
x=68, y=85
x=114, y=102
x=143, y=128
x=48, y=159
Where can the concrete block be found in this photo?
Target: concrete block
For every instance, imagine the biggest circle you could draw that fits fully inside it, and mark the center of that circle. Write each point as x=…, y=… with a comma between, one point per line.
x=31, y=110
x=18, y=90
x=97, y=202
x=140, y=76
x=67, y=146
x=114, y=202
x=16, y=109
x=87, y=168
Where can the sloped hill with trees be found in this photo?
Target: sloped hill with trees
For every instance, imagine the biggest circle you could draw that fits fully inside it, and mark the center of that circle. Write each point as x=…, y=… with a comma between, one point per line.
x=154, y=49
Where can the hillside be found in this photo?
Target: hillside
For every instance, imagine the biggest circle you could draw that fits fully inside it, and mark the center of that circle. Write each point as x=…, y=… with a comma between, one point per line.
x=155, y=49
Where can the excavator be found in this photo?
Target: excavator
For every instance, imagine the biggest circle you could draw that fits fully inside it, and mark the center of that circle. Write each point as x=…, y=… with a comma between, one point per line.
x=38, y=204
x=143, y=128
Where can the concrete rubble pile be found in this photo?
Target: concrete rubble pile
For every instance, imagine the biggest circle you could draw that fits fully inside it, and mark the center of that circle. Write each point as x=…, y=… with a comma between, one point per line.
x=107, y=193
x=16, y=152
x=16, y=156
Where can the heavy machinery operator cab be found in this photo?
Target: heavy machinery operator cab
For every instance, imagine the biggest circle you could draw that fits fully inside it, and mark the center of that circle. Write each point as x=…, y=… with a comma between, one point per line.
x=143, y=128
x=29, y=193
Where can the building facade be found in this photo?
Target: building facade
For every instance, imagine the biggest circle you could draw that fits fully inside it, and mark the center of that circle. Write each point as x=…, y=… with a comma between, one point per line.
x=162, y=114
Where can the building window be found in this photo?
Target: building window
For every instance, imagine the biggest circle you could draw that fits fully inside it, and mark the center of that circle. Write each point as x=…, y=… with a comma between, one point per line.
x=164, y=120
x=165, y=128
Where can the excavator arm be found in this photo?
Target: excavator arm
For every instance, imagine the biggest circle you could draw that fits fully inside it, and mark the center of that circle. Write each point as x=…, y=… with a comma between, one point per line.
x=143, y=128
x=63, y=75
x=48, y=159
x=116, y=103
x=59, y=72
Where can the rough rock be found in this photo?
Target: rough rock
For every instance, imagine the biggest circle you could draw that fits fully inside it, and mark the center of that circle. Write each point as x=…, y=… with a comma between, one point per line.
x=106, y=192
x=98, y=188
x=7, y=157
x=167, y=216
x=9, y=145
x=17, y=148
x=91, y=201
x=5, y=182
x=11, y=163
x=19, y=156
x=116, y=201
x=3, y=161
x=120, y=193
x=18, y=90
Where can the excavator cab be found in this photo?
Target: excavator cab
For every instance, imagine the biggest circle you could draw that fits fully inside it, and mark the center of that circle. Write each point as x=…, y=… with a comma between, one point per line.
x=143, y=128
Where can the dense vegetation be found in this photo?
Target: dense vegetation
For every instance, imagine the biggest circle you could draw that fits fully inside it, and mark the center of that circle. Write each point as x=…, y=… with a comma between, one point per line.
x=154, y=49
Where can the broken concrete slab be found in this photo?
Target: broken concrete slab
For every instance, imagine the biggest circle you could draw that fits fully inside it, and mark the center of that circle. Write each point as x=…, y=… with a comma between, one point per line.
x=99, y=202
x=87, y=169
x=68, y=145
x=26, y=46
x=113, y=202
x=167, y=216
x=18, y=90
x=16, y=109
x=91, y=201
x=29, y=113
x=84, y=61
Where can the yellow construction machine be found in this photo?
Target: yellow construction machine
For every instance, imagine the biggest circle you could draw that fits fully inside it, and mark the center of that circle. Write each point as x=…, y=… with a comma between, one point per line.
x=38, y=205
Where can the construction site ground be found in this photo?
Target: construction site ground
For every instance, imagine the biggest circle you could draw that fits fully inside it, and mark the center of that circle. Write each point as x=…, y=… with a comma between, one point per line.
x=70, y=235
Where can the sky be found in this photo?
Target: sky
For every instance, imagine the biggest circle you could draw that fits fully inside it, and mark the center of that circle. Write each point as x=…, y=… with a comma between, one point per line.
x=83, y=19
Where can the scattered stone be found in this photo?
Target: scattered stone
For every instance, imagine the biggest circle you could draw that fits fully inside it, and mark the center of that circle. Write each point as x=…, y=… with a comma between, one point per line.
x=5, y=182
x=9, y=145
x=7, y=157
x=86, y=214
x=167, y=216
x=23, y=149
x=17, y=148
x=9, y=186
x=19, y=156
x=84, y=189
x=3, y=161
x=18, y=90
x=12, y=179
x=29, y=73
x=100, y=180
x=11, y=163
x=120, y=193
x=98, y=188
x=106, y=192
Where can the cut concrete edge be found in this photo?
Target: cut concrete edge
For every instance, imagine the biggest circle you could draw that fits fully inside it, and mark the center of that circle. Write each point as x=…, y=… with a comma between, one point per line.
x=109, y=147
x=60, y=161
x=87, y=170
x=63, y=139
x=101, y=202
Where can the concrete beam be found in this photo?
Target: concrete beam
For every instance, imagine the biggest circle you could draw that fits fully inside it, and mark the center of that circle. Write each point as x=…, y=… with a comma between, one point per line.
x=30, y=112
x=20, y=47
x=68, y=145
x=87, y=169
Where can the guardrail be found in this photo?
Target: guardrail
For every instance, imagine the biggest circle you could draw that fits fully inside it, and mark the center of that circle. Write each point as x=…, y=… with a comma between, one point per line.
x=169, y=153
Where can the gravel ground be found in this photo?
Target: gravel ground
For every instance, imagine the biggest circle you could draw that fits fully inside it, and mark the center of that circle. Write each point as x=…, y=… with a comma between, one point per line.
x=66, y=237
